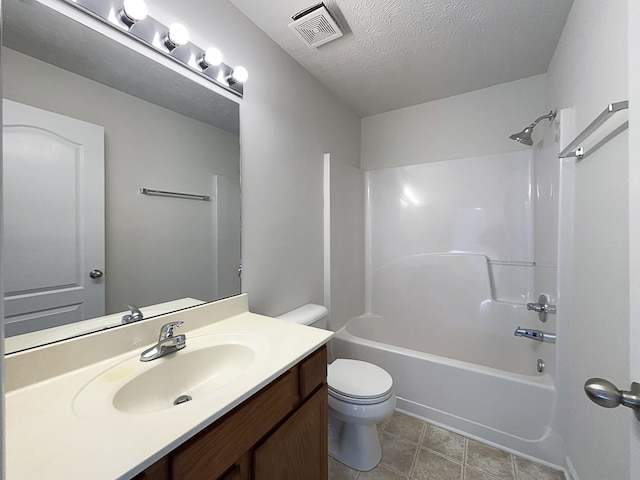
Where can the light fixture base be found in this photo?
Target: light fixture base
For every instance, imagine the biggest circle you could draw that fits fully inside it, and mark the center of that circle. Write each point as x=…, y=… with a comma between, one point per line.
x=148, y=32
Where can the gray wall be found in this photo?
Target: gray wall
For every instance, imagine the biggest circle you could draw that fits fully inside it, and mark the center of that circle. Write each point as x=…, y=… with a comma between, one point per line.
x=157, y=249
x=288, y=121
x=346, y=249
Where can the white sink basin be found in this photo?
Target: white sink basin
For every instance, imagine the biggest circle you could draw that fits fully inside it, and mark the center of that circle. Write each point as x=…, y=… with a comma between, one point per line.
x=193, y=374
x=206, y=365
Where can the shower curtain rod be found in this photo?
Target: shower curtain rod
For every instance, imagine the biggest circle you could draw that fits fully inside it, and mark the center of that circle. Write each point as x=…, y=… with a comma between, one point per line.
x=575, y=150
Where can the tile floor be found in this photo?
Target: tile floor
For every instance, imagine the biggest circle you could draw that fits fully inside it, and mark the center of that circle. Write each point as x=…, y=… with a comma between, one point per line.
x=413, y=449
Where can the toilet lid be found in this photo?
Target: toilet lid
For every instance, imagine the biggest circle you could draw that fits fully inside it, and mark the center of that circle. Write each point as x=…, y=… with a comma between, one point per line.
x=358, y=379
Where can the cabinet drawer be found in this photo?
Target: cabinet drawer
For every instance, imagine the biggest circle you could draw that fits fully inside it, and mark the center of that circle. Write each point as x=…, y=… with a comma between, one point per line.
x=313, y=372
x=215, y=450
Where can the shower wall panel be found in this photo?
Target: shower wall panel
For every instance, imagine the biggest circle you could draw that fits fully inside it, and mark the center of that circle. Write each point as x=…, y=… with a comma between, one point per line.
x=480, y=205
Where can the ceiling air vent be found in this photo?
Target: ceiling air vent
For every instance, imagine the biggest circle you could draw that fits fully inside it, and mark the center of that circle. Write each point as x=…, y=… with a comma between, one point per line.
x=315, y=26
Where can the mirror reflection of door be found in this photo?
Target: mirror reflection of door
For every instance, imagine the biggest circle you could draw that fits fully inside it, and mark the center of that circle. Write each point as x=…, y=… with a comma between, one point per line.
x=53, y=219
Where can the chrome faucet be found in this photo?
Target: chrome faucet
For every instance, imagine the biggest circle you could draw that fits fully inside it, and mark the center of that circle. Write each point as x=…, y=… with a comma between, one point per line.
x=167, y=343
x=538, y=335
x=134, y=316
x=542, y=307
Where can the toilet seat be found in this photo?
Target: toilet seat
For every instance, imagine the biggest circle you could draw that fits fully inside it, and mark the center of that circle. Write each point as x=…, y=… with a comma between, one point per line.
x=360, y=400
x=358, y=382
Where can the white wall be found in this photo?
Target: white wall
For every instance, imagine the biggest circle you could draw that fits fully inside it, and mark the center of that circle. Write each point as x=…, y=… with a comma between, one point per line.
x=589, y=71
x=467, y=125
x=288, y=120
x=634, y=215
x=157, y=249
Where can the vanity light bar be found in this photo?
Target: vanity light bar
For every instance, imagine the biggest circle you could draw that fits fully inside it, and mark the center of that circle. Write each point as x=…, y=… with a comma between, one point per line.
x=133, y=11
x=130, y=17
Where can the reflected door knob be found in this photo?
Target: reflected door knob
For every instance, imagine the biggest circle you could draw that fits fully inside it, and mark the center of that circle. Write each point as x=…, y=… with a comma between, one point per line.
x=96, y=273
x=607, y=395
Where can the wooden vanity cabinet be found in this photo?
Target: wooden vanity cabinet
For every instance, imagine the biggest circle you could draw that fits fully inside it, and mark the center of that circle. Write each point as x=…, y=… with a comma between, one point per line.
x=278, y=433
x=297, y=449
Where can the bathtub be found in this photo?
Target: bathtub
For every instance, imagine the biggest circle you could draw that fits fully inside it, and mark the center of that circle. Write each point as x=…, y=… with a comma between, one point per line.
x=455, y=361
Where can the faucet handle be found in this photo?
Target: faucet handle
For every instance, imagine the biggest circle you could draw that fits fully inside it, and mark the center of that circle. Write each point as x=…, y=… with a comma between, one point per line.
x=135, y=315
x=542, y=307
x=536, y=307
x=167, y=329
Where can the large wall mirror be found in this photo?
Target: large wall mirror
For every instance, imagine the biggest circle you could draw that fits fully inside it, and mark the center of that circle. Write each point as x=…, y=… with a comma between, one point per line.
x=88, y=122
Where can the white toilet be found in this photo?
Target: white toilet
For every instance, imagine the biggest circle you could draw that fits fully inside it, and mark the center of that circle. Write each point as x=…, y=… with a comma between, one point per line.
x=360, y=396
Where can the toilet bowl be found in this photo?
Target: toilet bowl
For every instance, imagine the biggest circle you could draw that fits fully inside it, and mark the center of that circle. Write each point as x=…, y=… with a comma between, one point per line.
x=360, y=396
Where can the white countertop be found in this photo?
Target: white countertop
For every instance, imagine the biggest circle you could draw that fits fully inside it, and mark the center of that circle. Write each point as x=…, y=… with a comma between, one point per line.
x=47, y=436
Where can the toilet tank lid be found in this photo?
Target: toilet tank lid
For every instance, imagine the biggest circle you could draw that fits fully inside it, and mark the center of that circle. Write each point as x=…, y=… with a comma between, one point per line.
x=306, y=314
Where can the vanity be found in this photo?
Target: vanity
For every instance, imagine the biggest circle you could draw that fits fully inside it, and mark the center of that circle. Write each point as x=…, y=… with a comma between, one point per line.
x=89, y=408
x=280, y=432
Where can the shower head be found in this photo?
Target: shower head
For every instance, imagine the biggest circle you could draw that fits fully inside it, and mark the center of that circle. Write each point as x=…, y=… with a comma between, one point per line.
x=525, y=135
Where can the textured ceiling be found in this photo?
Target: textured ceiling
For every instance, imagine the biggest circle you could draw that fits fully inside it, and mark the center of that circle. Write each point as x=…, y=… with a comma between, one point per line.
x=397, y=53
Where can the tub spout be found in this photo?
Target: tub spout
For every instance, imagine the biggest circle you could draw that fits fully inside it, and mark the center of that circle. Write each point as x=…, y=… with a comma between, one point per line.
x=538, y=335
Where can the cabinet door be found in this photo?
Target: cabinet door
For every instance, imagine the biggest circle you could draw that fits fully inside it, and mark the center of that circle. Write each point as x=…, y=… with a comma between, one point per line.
x=298, y=449
x=240, y=471
x=212, y=452
x=157, y=471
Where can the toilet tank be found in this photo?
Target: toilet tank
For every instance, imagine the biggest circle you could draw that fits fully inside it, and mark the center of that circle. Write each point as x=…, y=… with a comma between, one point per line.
x=310, y=314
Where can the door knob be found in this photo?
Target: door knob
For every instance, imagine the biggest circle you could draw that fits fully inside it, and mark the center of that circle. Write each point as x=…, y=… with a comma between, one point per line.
x=96, y=273
x=607, y=395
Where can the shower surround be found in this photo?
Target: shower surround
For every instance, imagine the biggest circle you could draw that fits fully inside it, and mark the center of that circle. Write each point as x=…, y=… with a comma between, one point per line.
x=450, y=267
x=480, y=205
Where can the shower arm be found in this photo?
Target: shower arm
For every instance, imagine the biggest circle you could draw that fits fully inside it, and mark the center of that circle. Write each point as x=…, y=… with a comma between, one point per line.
x=524, y=136
x=551, y=115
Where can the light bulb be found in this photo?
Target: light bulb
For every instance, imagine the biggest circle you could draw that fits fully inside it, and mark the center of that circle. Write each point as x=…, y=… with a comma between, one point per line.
x=239, y=75
x=178, y=35
x=212, y=57
x=133, y=11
